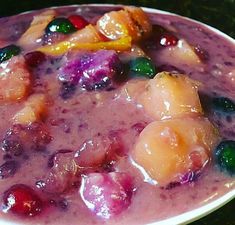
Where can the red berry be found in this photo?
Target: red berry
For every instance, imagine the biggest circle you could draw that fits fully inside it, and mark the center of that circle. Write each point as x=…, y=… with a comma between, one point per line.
x=168, y=40
x=35, y=58
x=102, y=37
x=22, y=200
x=78, y=21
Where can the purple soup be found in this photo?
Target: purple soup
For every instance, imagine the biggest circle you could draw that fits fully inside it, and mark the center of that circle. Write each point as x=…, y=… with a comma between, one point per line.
x=112, y=115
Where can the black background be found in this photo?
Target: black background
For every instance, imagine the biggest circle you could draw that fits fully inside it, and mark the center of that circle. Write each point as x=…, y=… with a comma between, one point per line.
x=217, y=13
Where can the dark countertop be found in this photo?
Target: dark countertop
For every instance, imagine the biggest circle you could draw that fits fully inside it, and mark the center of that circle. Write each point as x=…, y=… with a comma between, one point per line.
x=217, y=13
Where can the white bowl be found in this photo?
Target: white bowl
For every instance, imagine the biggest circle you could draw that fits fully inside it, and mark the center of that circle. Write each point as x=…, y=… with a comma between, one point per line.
x=204, y=210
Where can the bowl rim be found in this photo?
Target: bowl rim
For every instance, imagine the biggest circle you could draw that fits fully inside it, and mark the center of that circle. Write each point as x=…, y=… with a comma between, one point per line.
x=199, y=212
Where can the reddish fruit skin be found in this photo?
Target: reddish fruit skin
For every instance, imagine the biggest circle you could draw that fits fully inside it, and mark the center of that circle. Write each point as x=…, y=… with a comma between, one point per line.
x=78, y=21
x=33, y=59
x=167, y=40
x=22, y=201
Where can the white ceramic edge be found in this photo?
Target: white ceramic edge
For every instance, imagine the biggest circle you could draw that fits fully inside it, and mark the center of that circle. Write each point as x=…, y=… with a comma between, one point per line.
x=197, y=213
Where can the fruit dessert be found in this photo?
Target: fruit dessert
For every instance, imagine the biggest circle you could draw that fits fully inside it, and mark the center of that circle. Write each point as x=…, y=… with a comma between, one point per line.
x=113, y=115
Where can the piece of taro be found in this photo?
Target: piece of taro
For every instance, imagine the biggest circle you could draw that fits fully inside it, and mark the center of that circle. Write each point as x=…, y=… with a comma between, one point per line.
x=92, y=70
x=107, y=194
x=99, y=151
x=62, y=173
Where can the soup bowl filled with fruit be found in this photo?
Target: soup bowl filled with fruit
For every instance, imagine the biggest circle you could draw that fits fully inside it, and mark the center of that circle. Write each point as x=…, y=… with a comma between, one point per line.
x=114, y=115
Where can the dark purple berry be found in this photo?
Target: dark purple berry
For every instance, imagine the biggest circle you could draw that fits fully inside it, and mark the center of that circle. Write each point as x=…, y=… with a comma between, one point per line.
x=63, y=204
x=67, y=90
x=12, y=145
x=7, y=157
x=20, y=138
x=161, y=37
x=33, y=59
x=8, y=169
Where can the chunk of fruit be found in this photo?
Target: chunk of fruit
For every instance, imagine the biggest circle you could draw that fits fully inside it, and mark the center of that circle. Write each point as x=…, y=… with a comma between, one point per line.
x=225, y=156
x=132, y=89
x=169, y=149
x=98, y=151
x=53, y=158
x=171, y=96
x=62, y=174
x=14, y=80
x=35, y=136
x=114, y=25
x=161, y=37
x=36, y=29
x=22, y=201
x=8, y=52
x=92, y=70
x=61, y=25
x=182, y=53
x=88, y=34
x=63, y=47
x=34, y=110
x=107, y=194
x=141, y=21
x=78, y=21
x=224, y=104
x=142, y=66
x=131, y=21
